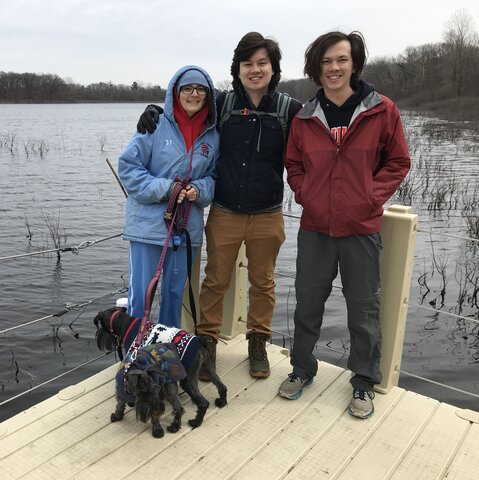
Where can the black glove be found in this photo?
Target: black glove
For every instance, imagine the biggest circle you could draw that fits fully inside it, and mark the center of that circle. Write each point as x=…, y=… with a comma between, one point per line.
x=149, y=118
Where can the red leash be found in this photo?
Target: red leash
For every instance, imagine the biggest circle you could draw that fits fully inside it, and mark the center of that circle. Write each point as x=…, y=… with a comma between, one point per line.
x=175, y=226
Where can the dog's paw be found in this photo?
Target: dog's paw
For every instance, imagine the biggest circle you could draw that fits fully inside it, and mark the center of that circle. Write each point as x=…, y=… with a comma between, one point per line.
x=116, y=417
x=157, y=432
x=221, y=402
x=194, y=423
x=173, y=428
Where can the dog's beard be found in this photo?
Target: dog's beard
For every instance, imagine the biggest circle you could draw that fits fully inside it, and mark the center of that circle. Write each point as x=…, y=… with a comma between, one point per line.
x=148, y=395
x=105, y=341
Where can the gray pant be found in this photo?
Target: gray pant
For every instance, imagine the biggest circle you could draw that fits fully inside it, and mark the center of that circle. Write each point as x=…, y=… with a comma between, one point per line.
x=358, y=258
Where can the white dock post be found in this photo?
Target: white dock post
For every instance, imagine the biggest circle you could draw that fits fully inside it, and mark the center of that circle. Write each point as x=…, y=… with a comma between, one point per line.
x=234, y=303
x=398, y=233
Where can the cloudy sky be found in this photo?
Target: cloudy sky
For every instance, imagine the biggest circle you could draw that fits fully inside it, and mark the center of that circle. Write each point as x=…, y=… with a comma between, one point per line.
x=122, y=41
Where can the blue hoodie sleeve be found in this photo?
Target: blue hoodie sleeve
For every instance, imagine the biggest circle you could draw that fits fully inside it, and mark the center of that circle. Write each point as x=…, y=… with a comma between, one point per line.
x=205, y=186
x=134, y=174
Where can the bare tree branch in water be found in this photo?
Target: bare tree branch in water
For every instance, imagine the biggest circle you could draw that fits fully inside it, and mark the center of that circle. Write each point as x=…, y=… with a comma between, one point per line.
x=57, y=234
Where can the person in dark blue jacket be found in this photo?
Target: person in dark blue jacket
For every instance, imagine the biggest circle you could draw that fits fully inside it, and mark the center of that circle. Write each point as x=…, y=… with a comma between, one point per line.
x=248, y=200
x=184, y=148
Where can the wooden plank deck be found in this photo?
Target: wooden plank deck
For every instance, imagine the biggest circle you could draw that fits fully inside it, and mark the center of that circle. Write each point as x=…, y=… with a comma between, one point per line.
x=257, y=435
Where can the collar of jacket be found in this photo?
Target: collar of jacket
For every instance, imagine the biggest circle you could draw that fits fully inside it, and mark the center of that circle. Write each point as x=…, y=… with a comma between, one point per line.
x=312, y=108
x=264, y=103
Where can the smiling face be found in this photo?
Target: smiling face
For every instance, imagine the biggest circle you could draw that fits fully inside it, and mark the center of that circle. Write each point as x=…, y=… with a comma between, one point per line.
x=336, y=70
x=192, y=102
x=256, y=72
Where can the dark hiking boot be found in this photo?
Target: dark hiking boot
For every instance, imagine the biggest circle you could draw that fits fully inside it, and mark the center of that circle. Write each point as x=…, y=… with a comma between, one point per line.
x=210, y=343
x=258, y=359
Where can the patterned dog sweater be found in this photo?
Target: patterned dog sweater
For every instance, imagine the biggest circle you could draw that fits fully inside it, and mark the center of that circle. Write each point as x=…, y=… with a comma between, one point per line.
x=186, y=344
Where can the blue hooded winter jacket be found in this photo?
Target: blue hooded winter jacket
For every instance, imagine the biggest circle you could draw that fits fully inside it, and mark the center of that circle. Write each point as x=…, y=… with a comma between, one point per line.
x=150, y=163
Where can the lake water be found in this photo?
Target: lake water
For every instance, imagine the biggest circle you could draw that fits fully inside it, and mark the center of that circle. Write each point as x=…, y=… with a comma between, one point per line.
x=53, y=172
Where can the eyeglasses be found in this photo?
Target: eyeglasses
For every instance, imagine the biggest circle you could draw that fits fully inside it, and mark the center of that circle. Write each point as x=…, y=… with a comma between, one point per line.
x=189, y=89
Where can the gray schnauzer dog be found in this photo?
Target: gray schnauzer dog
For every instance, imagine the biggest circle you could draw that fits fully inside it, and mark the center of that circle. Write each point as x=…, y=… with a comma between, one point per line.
x=149, y=374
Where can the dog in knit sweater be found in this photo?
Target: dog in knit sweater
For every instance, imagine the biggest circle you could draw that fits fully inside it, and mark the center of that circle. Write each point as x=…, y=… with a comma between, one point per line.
x=152, y=371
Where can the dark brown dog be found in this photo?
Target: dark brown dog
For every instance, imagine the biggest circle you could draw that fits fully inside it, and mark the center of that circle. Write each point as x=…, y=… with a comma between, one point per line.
x=116, y=329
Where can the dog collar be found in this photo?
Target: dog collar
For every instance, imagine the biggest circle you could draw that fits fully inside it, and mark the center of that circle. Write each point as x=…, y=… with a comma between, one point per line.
x=112, y=319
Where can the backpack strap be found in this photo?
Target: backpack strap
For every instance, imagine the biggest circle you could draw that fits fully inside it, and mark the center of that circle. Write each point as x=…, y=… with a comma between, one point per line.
x=281, y=114
x=227, y=108
x=282, y=109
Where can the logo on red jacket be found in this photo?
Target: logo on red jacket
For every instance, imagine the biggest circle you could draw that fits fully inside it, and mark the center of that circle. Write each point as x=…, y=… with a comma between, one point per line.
x=205, y=150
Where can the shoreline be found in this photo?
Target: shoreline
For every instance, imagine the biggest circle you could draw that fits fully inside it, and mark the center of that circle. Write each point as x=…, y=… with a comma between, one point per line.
x=463, y=110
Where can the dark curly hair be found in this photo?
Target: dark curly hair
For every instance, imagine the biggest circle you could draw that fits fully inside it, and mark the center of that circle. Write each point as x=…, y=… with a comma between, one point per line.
x=315, y=52
x=246, y=47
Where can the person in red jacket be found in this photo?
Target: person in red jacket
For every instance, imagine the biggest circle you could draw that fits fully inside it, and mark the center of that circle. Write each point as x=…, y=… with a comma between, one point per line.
x=346, y=156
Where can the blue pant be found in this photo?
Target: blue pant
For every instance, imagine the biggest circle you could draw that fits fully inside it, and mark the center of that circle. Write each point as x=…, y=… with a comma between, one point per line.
x=144, y=258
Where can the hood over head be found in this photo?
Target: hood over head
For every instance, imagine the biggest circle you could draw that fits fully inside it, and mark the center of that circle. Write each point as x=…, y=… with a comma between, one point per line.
x=192, y=77
x=185, y=76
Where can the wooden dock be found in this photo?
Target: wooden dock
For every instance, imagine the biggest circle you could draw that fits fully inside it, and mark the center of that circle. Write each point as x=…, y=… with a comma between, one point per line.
x=258, y=435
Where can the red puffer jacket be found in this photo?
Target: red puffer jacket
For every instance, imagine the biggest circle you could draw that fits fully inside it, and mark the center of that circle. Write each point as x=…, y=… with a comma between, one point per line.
x=342, y=189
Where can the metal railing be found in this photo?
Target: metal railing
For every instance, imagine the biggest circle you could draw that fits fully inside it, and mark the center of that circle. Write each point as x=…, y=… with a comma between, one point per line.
x=399, y=230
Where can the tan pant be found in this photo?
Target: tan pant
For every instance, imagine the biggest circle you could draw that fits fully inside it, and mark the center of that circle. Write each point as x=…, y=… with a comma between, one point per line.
x=263, y=235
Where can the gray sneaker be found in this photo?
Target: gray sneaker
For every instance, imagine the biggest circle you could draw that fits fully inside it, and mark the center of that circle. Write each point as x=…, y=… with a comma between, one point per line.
x=292, y=387
x=361, y=405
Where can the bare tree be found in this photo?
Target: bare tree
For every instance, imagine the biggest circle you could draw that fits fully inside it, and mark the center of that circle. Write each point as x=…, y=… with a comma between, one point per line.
x=460, y=36
x=223, y=85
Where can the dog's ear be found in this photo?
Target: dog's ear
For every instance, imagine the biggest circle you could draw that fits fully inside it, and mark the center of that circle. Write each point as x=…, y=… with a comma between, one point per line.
x=138, y=381
x=96, y=320
x=104, y=338
x=101, y=319
x=157, y=374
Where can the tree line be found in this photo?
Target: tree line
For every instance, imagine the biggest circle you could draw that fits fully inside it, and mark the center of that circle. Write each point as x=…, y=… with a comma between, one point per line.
x=422, y=75
x=46, y=88
x=441, y=77
x=435, y=71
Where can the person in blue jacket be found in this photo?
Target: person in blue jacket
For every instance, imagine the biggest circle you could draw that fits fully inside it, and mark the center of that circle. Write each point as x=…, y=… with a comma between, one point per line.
x=183, y=148
x=248, y=201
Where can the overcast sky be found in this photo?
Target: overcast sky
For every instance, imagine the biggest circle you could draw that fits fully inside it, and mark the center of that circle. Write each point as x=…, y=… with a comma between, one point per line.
x=122, y=41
